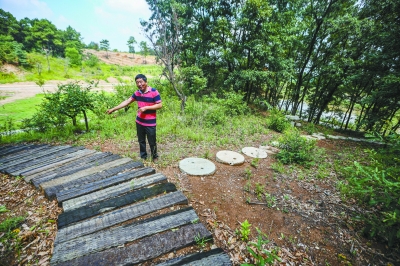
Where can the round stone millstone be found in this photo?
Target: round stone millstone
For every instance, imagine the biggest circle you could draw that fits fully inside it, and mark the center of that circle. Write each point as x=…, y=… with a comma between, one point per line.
x=230, y=157
x=255, y=152
x=197, y=166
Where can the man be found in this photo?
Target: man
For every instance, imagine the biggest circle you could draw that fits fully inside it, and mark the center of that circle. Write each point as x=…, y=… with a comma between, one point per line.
x=148, y=100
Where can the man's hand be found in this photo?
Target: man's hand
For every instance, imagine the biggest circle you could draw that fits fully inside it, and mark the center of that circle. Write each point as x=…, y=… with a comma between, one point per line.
x=109, y=111
x=142, y=109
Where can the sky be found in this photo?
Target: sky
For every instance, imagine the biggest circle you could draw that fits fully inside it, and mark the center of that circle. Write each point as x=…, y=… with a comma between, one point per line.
x=95, y=20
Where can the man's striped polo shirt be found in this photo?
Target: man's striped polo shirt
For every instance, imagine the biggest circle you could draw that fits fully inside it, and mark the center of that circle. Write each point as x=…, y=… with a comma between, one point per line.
x=150, y=97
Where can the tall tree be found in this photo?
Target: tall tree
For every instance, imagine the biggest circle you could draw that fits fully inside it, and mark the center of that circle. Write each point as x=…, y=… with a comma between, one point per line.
x=8, y=24
x=105, y=46
x=72, y=39
x=163, y=31
x=145, y=50
x=131, y=44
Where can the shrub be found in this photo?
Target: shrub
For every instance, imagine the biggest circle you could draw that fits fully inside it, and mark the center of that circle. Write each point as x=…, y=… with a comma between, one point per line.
x=259, y=254
x=277, y=121
x=231, y=103
x=193, y=80
x=75, y=59
x=92, y=61
x=377, y=186
x=294, y=148
x=68, y=101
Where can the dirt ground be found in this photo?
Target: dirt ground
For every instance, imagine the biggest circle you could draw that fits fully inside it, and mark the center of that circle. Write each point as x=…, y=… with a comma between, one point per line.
x=304, y=217
x=121, y=58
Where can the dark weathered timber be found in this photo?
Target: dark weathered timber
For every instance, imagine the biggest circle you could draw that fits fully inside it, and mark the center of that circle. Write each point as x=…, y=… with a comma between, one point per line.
x=74, y=166
x=83, y=173
x=97, y=208
x=214, y=257
x=19, y=151
x=145, y=249
x=52, y=191
x=8, y=151
x=31, y=154
x=4, y=149
x=113, y=192
x=35, y=156
x=117, y=236
x=119, y=216
x=62, y=160
x=38, y=160
x=34, y=164
x=103, y=184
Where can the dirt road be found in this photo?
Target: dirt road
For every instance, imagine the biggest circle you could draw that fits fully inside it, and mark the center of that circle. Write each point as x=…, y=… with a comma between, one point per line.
x=23, y=90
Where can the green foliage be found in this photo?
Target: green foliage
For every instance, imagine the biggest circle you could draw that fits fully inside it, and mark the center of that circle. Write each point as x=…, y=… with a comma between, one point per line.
x=3, y=209
x=277, y=121
x=295, y=149
x=7, y=127
x=377, y=186
x=124, y=90
x=193, y=80
x=104, y=45
x=7, y=78
x=92, y=61
x=74, y=56
x=11, y=223
x=131, y=44
x=245, y=230
x=230, y=103
x=261, y=255
x=9, y=239
x=12, y=52
x=310, y=128
x=201, y=241
x=270, y=199
x=259, y=190
x=68, y=101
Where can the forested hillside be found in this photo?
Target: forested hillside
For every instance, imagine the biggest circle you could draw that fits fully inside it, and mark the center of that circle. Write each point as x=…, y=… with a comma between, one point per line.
x=303, y=57
x=300, y=56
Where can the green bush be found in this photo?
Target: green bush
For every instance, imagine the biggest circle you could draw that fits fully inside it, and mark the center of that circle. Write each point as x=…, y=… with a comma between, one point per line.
x=377, y=186
x=7, y=78
x=75, y=59
x=295, y=149
x=193, y=80
x=92, y=61
x=277, y=121
x=231, y=103
x=203, y=114
x=69, y=101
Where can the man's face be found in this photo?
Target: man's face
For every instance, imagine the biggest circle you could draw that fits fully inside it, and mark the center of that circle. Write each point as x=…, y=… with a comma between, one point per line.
x=141, y=84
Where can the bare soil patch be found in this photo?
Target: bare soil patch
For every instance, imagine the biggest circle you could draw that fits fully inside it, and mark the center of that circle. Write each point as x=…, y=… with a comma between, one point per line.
x=304, y=217
x=121, y=58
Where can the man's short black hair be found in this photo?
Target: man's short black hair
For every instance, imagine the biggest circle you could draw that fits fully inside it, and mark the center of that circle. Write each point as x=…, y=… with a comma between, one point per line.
x=141, y=76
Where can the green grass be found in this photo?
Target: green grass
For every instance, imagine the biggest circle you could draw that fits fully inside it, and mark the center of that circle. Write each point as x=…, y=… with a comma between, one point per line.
x=8, y=78
x=59, y=71
x=20, y=109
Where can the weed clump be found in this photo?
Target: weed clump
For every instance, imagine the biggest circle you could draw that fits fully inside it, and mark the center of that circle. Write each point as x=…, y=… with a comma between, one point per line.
x=277, y=121
x=295, y=149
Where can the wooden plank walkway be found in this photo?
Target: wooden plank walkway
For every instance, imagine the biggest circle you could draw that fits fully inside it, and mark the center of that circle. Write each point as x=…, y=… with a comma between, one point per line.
x=116, y=211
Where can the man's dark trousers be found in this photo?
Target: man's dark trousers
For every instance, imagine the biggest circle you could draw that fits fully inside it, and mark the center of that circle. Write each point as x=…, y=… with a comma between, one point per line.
x=150, y=132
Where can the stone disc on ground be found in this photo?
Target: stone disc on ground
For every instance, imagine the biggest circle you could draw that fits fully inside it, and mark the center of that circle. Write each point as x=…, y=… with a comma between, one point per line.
x=230, y=157
x=254, y=152
x=197, y=166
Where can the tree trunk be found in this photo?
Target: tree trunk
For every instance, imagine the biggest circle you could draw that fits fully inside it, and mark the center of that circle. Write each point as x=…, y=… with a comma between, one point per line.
x=86, y=121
